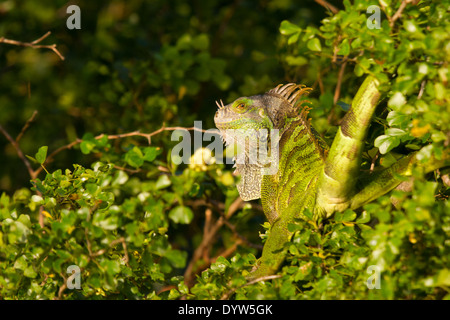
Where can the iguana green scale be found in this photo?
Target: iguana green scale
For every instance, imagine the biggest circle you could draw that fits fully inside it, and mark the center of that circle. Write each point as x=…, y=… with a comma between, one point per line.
x=310, y=174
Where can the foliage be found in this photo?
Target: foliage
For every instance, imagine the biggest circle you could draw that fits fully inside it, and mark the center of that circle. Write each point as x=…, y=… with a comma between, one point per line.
x=140, y=227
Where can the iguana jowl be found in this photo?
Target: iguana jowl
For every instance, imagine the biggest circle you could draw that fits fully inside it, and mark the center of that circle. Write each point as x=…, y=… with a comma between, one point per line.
x=310, y=174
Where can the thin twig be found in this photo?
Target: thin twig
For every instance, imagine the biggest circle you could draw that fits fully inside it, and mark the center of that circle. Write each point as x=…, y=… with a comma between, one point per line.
x=374, y=159
x=422, y=88
x=336, y=49
x=319, y=82
x=35, y=173
x=327, y=5
x=384, y=10
x=241, y=237
x=19, y=152
x=199, y=251
x=34, y=44
x=208, y=234
x=112, y=244
x=337, y=91
x=234, y=207
x=148, y=136
x=398, y=13
x=127, y=169
x=62, y=288
x=26, y=126
x=264, y=278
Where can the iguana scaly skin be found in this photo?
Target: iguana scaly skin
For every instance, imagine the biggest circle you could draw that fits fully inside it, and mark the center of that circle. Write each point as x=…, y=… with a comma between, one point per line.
x=310, y=174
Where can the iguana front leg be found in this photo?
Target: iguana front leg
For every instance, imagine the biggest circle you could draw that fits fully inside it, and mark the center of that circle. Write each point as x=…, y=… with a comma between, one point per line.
x=339, y=175
x=376, y=184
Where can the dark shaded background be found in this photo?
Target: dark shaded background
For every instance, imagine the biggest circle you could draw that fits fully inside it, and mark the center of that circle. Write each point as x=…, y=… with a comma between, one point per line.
x=132, y=66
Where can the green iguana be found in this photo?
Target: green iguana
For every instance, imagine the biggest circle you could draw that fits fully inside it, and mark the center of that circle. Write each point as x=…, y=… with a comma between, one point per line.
x=310, y=174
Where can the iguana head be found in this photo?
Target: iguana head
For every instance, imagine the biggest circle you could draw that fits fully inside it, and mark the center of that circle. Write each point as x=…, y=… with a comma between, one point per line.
x=244, y=113
x=268, y=111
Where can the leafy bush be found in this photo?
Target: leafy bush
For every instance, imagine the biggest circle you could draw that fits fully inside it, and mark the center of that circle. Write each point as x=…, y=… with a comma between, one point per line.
x=114, y=204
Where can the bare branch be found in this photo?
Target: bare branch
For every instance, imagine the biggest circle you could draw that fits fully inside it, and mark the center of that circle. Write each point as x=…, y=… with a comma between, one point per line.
x=264, y=278
x=112, y=244
x=327, y=5
x=209, y=232
x=148, y=136
x=337, y=91
x=26, y=126
x=398, y=13
x=240, y=237
x=19, y=152
x=34, y=44
x=62, y=288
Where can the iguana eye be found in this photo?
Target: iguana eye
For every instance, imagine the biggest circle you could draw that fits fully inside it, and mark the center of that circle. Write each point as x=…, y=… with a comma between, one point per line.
x=240, y=107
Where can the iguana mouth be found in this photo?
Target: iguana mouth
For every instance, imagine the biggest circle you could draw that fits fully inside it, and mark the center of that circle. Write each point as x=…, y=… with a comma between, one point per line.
x=224, y=120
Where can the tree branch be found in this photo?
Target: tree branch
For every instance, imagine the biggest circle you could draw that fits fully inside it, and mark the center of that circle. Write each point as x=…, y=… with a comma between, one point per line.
x=26, y=126
x=264, y=278
x=148, y=136
x=34, y=44
x=398, y=13
x=19, y=152
x=209, y=232
x=337, y=91
x=34, y=173
x=327, y=5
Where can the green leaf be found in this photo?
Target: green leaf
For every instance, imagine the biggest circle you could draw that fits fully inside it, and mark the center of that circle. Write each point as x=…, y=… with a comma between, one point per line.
x=88, y=143
x=41, y=155
x=181, y=214
x=110, y=223
x=29, y=272
x=296, y=61
x=344, y=48
x=150, y=153
x=163, y=182
x=314, y=45
x=112, y=267
x=102, y=142
x=177, y=258
x=134, y=157
x=220, y=265
x=396, y=101
x=293, y=38
x=288, y=28
x=387, y=160
x=21, y=263
x=412, y=146
x=349, y=215
x=346, y=216
x=395, y=132
x=397, y=119
x=364, y=218
x=194, y=190
x=386, y=143
x=32, y=159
